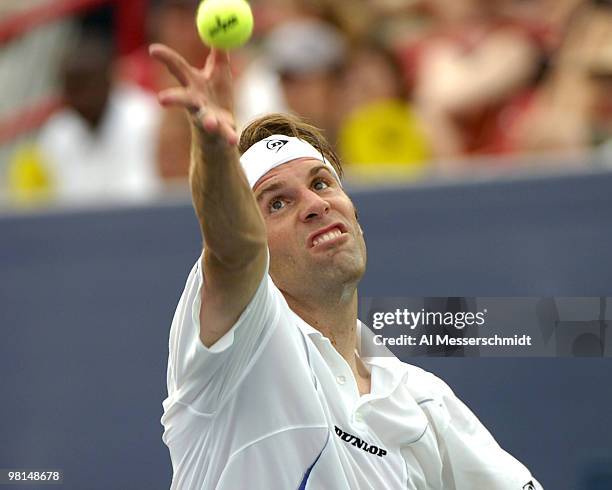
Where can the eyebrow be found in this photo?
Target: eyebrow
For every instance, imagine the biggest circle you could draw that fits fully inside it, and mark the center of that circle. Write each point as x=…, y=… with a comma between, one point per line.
x=281, y=183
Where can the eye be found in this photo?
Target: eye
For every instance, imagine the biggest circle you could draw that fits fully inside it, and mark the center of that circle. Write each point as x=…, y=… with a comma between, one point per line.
x=277, y=203
x=321, y=181
x=272, y=205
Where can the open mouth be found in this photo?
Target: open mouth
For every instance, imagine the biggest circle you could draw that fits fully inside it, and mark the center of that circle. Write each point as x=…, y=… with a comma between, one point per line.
x=329, y=234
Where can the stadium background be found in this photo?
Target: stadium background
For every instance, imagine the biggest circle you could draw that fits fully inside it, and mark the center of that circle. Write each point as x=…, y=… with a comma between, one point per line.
x=89, y=281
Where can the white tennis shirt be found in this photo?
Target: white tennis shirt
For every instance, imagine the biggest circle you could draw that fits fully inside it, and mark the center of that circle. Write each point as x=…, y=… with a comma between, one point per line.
x=273, y=406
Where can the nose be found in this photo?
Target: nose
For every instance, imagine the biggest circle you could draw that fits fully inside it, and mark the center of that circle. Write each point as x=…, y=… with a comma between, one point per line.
x=313, y=206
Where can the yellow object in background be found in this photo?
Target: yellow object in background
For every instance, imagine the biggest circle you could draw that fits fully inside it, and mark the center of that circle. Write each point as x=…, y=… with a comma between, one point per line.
x=29, y=179
x=384, y=138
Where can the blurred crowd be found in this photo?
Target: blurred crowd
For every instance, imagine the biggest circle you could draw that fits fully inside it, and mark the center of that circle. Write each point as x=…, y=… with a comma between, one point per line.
x=413, y=87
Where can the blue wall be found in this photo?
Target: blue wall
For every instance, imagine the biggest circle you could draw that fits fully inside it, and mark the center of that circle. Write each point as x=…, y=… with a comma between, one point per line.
x=86, y=300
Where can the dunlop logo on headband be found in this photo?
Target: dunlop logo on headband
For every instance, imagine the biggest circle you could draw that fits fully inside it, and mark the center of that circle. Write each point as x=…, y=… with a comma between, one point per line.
x=276, y=144
x=266, y=154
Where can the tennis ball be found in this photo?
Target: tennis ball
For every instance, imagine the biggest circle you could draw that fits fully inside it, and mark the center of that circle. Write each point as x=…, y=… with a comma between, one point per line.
x=224, y=24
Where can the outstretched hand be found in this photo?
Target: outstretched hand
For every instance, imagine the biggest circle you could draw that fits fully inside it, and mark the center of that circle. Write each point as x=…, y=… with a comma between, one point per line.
x=206, y=93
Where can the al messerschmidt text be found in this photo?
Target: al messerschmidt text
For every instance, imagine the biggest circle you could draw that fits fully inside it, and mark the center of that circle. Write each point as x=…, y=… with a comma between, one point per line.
x=452, y=341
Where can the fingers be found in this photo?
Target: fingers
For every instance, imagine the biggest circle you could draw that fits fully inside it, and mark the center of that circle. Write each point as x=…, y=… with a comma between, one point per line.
x=222, y=59
x=229, y=133
x=216, y=60
x=223, y=68
x=215, y=118
x=178, y=96
x=221, y=124
x=174, y=62
x=227, y=128
x=209, y=66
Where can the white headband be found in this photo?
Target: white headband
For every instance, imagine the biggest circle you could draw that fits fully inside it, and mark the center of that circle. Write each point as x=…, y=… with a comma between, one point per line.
x=275, y=150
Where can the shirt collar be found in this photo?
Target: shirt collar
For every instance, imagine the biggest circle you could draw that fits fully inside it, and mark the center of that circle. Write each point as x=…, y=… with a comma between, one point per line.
x=306, y=327
x=313, y=333
x=394, y=369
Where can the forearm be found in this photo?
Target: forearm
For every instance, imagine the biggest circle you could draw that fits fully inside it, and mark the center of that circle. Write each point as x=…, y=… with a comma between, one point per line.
x=232, y=226
x=230, y=221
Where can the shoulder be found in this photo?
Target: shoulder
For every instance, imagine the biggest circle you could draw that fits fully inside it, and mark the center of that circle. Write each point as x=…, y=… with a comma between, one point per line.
x=422, y=384
x=425, y=381
x=433, y=395
x=64, y=124
x=439, y=402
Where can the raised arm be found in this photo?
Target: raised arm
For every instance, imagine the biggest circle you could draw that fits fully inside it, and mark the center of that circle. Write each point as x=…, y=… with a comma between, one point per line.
x=232, y=227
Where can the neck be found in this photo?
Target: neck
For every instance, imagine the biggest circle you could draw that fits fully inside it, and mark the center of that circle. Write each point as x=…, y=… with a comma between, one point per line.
x=335, y=316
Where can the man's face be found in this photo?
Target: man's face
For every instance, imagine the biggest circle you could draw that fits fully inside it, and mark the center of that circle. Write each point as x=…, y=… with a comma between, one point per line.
x=299, y=200
x=87, y=87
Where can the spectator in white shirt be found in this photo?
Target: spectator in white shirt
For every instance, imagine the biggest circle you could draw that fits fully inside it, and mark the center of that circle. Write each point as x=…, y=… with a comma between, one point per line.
x=100, y=146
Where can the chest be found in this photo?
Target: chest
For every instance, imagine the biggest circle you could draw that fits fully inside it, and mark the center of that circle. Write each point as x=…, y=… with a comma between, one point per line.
x=378, y=438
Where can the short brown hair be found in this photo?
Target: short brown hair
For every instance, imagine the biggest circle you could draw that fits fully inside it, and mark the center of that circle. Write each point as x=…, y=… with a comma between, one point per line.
x=289, y=125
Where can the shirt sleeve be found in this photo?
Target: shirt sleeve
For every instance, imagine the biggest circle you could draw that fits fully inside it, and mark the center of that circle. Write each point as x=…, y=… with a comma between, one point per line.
x=472, y=457
x=203, y=377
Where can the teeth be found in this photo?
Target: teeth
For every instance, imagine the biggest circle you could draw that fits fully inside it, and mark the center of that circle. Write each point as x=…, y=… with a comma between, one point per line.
x=326, y=236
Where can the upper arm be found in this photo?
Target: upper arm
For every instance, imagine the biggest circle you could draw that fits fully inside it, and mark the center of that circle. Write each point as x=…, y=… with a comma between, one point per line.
x=226, y=292
x=203, y=372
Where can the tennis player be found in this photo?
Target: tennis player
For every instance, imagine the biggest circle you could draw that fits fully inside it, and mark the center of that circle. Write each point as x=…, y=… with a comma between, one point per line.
x=266, y=385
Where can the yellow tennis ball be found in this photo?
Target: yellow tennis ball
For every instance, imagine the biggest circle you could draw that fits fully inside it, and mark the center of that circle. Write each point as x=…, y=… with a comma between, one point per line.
x=224, y=24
